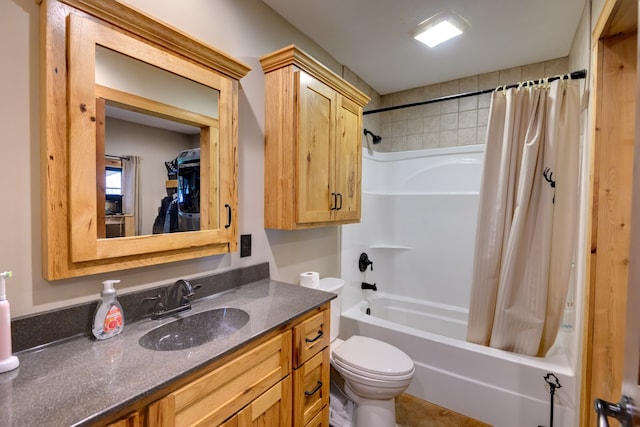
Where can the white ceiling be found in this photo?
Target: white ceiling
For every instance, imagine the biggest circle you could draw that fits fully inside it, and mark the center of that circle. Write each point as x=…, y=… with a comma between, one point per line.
x=372, y=37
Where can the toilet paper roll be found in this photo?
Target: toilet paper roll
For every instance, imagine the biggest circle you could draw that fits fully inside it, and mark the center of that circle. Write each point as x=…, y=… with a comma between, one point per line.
x=310, y=279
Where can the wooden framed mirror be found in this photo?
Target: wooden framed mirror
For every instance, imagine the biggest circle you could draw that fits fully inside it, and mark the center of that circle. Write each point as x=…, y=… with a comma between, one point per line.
x=82, y=105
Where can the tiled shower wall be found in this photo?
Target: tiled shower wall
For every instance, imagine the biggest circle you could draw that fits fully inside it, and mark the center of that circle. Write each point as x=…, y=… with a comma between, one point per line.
x=448, y=123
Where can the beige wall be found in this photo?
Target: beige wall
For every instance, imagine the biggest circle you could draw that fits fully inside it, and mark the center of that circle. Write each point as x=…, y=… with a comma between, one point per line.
x=372, y=121
x=454, y=122
x=246, y=29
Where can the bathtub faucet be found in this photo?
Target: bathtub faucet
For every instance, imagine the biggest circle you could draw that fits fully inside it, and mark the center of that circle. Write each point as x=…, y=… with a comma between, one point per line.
x=366, y=285
x=364, y=262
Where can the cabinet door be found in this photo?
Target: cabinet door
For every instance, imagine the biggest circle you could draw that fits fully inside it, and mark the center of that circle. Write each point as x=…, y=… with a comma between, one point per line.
x=311, y=388
x=320, y=420
x=315, y=151
x=231, y=422
x=348, y=160
x=217, y=395
x=271, y=409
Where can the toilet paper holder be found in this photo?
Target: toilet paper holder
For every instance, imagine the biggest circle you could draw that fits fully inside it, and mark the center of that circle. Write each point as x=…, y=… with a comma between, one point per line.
x=364, y=262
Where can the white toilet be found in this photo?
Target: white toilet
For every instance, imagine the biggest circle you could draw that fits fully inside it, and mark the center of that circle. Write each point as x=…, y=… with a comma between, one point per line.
x=373, y=371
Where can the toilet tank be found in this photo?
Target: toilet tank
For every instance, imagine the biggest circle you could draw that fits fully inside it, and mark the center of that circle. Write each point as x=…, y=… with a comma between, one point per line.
x=335, y=285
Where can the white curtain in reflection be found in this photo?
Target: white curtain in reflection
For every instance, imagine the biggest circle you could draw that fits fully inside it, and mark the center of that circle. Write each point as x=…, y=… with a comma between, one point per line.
x=527, y=218
x=131, y=201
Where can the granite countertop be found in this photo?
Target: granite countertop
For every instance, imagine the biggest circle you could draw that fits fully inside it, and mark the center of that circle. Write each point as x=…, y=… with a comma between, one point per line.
x=82, y=380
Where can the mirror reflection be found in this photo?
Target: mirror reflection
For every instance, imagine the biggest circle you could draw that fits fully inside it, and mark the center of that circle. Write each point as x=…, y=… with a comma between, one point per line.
x=76, y=153
x=149, y=164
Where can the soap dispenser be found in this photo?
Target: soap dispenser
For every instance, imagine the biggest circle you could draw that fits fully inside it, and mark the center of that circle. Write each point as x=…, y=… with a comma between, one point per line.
x=109, y=318
x=8, y=361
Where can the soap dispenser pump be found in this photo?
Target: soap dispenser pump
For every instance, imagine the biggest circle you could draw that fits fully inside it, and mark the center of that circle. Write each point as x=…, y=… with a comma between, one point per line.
x=109, y=318
x=8, y=361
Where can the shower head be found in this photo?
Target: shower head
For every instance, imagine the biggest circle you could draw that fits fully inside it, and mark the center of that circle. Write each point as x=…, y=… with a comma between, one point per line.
x=375, y=138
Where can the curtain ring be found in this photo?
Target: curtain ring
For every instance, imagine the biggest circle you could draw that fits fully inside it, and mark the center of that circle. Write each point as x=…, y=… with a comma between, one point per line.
x=561, y=77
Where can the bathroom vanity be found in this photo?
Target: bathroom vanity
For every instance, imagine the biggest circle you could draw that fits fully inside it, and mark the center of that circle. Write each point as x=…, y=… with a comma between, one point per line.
x=274, y=369
x=284, y=375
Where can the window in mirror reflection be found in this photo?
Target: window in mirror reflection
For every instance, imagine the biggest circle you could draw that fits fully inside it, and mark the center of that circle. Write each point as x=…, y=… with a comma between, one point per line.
x=113, y=180
x=122, y=204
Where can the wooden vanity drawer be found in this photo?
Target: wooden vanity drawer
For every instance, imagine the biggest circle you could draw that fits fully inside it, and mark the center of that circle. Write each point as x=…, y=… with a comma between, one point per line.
x=320, y=420
x=217, y=395
x=273, y=408
x=311, y=388
x=310, y=336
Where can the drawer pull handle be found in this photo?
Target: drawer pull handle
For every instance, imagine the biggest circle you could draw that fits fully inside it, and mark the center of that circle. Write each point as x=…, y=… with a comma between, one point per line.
x=315, y=390
x=320, y=334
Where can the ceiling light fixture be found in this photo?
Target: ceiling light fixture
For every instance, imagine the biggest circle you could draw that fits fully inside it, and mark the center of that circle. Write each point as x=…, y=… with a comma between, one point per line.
x=440, y=28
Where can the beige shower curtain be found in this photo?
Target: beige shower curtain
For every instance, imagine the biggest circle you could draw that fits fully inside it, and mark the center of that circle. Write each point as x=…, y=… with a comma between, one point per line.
x=527, y=218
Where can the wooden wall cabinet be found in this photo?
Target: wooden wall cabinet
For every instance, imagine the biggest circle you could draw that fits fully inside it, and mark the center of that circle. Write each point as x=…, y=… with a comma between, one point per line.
x=313, y=143
x=281, y=381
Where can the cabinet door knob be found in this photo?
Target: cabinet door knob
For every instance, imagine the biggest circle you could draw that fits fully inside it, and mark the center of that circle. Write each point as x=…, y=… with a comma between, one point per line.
x=334, y=203
x=340, y=197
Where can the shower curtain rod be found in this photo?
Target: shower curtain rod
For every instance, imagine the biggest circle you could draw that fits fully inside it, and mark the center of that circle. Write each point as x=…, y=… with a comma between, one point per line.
x=575, y=75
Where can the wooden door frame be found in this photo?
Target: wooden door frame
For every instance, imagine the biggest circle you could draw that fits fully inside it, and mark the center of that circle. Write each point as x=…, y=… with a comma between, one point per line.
x=612, y=136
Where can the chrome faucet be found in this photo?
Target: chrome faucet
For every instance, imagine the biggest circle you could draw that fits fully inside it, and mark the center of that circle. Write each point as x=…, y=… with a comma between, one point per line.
x=174, y=299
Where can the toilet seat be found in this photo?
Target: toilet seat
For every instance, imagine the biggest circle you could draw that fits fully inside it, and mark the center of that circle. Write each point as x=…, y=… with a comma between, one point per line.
x=364, y=375
x=373, y=359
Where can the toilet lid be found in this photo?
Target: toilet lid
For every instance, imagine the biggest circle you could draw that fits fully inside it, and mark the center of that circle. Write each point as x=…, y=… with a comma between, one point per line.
x=373, y=356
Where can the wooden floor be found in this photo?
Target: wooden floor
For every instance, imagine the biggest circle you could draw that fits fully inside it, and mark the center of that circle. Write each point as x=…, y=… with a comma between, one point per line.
x=414, y=412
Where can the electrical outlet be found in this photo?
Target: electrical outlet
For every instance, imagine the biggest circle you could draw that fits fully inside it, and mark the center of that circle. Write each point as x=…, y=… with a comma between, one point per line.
x=245, y=245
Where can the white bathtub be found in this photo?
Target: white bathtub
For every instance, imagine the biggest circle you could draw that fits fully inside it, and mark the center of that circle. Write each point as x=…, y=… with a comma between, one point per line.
x=450, y=321
x=499, y=388
x=419, y=213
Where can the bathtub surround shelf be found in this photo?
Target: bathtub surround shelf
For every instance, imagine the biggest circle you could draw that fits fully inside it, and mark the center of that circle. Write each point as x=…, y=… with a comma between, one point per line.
x=313, y=143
